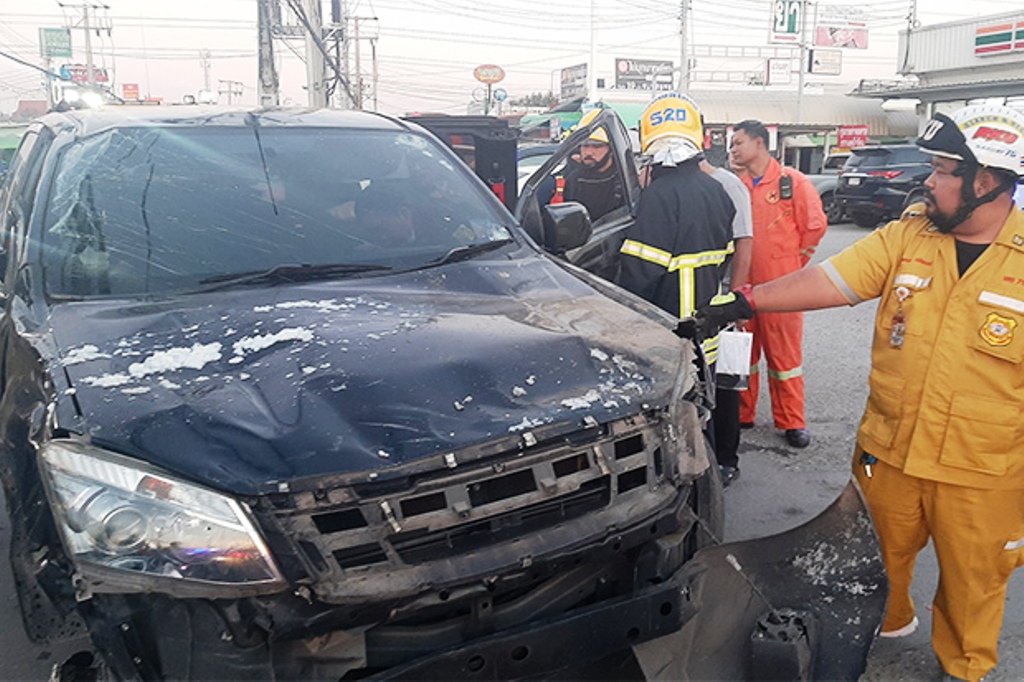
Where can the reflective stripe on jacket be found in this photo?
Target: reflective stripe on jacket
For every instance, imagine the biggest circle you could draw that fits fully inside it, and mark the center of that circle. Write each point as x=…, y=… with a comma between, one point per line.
x=675, y=254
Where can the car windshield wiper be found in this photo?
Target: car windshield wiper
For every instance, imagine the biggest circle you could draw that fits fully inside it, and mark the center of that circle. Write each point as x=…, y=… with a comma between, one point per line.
x=284, y=274
x=464, y=252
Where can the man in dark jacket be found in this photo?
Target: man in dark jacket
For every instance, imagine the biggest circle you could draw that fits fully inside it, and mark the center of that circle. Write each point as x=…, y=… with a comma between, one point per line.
x=676, y=254
x=593, y=180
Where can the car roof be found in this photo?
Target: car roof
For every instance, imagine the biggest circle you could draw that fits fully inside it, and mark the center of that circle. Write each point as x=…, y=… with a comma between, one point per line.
x=883, y=148
x=90, y=121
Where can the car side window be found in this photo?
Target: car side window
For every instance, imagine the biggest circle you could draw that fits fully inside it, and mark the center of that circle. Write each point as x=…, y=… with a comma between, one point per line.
x=18, y=194
x=590, y=174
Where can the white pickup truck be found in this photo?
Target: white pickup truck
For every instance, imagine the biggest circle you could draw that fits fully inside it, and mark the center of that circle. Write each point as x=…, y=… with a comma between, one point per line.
x=825, y=182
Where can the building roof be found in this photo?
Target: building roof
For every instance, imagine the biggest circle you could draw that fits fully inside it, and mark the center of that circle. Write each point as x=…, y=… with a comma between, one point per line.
x=817, y=112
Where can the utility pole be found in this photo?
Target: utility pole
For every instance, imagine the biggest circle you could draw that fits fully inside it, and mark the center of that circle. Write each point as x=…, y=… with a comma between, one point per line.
x=684, y=60
x=339, y=35
x=359, y=68
x=269, y=93
x=592, y=75
x=230, y=88
x=373, y=56
x=803, y=60
x=87, y=27
x=204, y=60
x=316, y=66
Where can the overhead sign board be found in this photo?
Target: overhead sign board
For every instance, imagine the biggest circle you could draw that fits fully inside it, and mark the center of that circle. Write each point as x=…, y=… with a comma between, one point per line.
x=489, y=73
x=787, y=21
x=79, y=73
x=998, y=38
x=841, y=26
x=825, y=62
x=841, y=37
x=55, y=43
x=574, y=82
x=852, y=137
x=643, y=74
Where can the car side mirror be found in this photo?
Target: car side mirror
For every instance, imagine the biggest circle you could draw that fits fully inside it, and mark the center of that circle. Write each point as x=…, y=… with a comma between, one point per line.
x=566, y=226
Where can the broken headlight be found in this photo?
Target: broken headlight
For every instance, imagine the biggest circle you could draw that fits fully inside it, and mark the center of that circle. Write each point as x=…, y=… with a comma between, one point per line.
x=115, y=513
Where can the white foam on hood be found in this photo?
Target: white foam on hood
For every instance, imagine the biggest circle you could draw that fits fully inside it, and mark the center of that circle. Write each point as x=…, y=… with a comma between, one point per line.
x=252, y=344
x=77, y=356
x=164, y=361
x=582, y=402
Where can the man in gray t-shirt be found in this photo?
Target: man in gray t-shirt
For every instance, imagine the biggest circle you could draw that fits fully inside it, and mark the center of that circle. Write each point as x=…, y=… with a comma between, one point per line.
x=727, y=402
x=742, y=222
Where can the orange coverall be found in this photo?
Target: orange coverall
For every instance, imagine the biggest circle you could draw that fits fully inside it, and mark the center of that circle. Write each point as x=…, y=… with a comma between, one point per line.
x=786, y=232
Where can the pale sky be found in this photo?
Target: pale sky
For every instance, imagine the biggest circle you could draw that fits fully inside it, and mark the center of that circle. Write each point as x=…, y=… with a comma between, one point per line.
x=427, y=49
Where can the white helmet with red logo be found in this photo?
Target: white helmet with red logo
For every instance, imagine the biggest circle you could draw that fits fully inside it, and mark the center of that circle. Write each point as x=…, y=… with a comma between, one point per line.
x=991, y=136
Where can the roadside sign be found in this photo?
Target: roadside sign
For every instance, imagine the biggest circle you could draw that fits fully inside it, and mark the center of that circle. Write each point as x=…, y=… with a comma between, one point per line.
x=129, y=90
x=787, y=21
x=489, y=73
x=852, y=137
x=643, y=74
x=842, y=26
x=79, y=73
x=55, y=43
x=825, y=62
x=574, y=82
x=780, y=72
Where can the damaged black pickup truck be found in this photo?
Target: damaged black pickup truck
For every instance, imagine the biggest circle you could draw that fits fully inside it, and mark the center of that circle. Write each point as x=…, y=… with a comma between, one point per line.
x=290, y=394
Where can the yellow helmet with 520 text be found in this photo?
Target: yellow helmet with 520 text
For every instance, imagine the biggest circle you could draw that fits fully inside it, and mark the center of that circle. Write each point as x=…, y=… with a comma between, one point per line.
x=671, y=115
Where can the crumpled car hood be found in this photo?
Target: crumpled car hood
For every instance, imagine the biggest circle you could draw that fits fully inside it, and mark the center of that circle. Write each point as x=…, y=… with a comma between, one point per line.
x=242, y=389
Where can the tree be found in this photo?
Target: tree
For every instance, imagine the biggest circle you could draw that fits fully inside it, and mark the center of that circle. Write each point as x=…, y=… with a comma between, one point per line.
x=536, y=99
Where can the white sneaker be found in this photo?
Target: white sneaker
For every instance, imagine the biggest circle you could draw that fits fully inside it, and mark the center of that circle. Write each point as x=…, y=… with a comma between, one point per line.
x=903, y=631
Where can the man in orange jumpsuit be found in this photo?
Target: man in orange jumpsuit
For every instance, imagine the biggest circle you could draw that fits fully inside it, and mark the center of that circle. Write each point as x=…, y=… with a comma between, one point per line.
x=788, y=224
x=940, y=450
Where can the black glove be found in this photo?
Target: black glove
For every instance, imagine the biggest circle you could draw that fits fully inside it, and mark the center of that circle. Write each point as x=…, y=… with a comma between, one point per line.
x=719, y=312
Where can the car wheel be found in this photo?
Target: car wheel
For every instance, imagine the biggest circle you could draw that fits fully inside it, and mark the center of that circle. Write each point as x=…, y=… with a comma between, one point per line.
x=865, y=218
x=833, y=211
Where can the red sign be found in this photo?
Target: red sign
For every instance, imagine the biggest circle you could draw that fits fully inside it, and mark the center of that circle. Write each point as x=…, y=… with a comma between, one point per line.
x=853, y=137
x=489, y=73
x=130, y=90
x=79, y=73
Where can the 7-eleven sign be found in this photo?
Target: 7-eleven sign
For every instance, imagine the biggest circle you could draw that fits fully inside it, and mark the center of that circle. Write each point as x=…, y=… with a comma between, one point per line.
x=998, y=38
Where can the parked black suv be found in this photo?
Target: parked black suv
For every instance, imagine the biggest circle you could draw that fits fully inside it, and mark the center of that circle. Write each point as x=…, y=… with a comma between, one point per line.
x=877, y=183
x=290, y=394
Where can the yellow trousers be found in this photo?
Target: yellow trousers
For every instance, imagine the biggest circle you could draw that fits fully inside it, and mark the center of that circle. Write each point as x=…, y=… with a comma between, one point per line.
x=979, y=540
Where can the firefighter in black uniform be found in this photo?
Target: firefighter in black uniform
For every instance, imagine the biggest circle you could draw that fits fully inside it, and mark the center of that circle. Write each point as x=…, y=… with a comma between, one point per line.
x=676, y=253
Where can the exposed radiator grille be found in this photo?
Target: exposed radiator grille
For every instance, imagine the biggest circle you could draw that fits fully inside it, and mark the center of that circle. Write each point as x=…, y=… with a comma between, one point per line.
x=472, y=509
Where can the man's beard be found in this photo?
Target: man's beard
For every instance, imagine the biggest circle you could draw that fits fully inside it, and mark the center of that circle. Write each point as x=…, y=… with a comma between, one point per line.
x=942, y=222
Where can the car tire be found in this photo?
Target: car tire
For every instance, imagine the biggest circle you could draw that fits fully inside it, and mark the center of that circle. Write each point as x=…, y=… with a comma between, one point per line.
x=865, y=218
x=833, y=210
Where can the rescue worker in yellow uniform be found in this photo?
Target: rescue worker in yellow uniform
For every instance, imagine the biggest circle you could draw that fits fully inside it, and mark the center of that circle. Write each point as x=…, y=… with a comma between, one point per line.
x=788, y=224
x=940, y=449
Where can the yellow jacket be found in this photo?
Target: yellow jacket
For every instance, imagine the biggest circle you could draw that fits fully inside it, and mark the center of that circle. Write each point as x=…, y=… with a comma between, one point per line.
x=949, y=405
